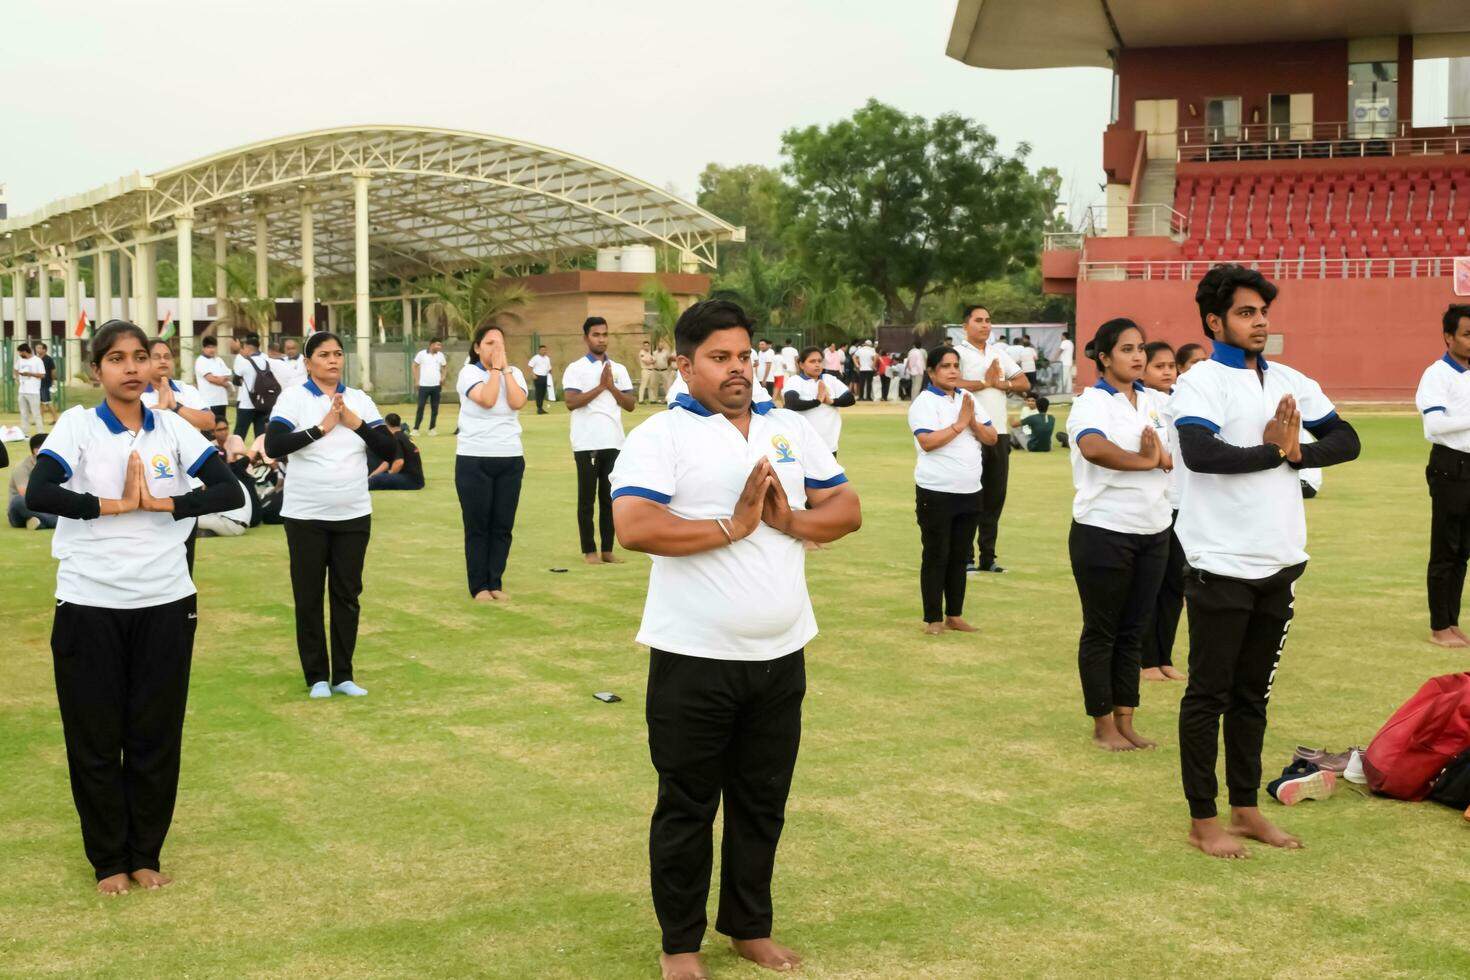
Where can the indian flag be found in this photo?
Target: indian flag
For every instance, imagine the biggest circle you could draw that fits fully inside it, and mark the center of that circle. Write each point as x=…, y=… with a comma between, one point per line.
x=310, y=325
x=382, y=331
x=169, y=326
x=80, y=330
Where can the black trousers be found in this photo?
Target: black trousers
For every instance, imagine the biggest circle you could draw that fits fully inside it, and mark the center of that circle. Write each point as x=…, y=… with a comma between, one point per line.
x=1448, y=474
x=947, y=522
x=1237, y=628
x=719, y=728
x=1158, y=639
x=1118, y=578
x=540, y=393
x=122, y=681
x=489, y=489
x=247, y=419
x=865, y=385
x=220, y=413
x=430, y=394
x=594, y=481
x=996, y=470
x=886, y=383
x=334, y=551
x=905, y=389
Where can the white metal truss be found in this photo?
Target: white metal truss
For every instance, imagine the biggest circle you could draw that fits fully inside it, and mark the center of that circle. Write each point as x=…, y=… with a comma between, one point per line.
x=439, y=200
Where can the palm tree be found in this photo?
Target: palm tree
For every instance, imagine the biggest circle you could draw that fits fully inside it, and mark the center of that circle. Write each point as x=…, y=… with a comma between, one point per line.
x=663, y=310
x=479, y=295
x=242, y=310
x=770, y=292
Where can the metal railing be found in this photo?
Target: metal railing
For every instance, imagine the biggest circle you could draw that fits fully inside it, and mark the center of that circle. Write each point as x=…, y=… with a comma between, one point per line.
x=1119, y=220
x=1189, y=270
x=1319, y=141
x=1062, y=241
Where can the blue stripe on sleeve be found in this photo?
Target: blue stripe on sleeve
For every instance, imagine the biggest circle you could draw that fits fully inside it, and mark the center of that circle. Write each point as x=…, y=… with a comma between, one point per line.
x=203, y=458
x=282, y=418
x=644, y=492
x=1316, y=424
x=374, y=425
x=1085, y=432
x=836, y=481
x=919, y=432
x=1434, y=408
x=57, y=456
x=1196, y=420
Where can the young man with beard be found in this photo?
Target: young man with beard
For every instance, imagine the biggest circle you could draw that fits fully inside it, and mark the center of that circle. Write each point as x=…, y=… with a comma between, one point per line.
x=723, y=494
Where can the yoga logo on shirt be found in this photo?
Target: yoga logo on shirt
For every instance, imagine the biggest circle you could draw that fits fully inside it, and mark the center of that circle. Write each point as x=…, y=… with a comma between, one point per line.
x=161, y=468
x=1153, y=415
x=783, y=449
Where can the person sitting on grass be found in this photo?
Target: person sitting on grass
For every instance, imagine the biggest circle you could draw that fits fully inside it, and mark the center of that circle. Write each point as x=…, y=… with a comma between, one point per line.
x=403, y=472
x=1037, y=423
x=20, y=515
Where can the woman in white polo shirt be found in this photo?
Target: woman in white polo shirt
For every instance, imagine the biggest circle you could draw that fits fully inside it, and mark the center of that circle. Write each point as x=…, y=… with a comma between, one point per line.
x=1159, y=375
x=489, y=462
x=118, y=477
x=1119, y=542
x=327, y=428
x=949, y=427
x=818, y=396
x=169, y=395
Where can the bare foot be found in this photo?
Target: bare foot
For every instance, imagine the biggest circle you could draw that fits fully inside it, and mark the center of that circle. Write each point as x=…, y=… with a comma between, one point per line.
x=1247, y=821
x=1153, y=674
x=682, y=966
x=1105, y=735
x=498, y=596
x=484, y=595
x=959, y=625
x=608, y=558
x=1460, y=633
x=113, y=885
x=1447, y=638
x=1214, y=840
x=1174, y=674
x=1124, y=721
x=934, y=629
x=767, y=953
x=592, y=559
x=150, y=879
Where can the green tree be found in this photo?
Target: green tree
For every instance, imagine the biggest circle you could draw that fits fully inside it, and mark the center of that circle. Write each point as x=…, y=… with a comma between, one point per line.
x=747, y=194
x=906, y=206
x=768, y=291
x=464, y=301
x=662, y=310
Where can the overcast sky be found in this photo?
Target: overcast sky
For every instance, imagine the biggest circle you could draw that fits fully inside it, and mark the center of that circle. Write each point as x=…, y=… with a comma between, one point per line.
x=95, y=89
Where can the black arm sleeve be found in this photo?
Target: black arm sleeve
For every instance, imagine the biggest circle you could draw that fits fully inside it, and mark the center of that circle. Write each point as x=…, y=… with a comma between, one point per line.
x=46, y=495
x=4, y=457
x=221, y=491
x=796, y=403
x=1205, y=452
x=281, y=442
x=380, y=441
x=1337, y=442
x=844, y=400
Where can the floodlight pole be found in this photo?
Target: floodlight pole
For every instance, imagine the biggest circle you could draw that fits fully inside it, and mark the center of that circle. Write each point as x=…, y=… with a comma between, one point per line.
x=184, y=230
x=360, y=261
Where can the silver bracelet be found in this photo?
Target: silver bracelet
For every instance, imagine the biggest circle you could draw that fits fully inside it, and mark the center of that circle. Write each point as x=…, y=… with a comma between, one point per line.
x=720, y=523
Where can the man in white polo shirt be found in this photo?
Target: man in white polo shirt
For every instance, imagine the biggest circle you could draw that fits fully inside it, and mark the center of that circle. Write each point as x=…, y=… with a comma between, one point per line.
x=429, y=366
x=212, y=377
x=723, y=497
x=1244, y=534
x=29, y=370
x=993, y=375
x=1443, y=399
x=787, y=361
x=540, y=365
x=597, y=390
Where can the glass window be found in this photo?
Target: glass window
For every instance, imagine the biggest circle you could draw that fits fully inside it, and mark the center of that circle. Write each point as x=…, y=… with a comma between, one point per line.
x=1280, y=117
x=1222, y=119
x=1373, y=98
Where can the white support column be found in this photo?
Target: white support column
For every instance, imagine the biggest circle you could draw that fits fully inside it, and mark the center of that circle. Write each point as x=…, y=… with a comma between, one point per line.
x=308, y=266
x=221, y=282
x=73, y=314
x=262, y=256
x=43, y=293
x=18, y=299
x=184, y=229
x=124, y=285
x=360, y=263
x=145, y=274
x=407, y=318
x=102, y=275
x=332, y=316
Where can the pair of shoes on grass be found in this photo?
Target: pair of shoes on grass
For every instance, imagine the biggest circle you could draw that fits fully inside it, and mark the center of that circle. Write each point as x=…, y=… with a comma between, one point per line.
x=321, y=689
x=1348, y=764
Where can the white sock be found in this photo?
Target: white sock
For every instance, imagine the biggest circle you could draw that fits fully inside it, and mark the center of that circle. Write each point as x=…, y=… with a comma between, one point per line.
x=321, y=689
x=350, y=689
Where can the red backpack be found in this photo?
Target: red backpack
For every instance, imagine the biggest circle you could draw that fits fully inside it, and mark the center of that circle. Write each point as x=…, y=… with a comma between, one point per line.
x=1413, y=746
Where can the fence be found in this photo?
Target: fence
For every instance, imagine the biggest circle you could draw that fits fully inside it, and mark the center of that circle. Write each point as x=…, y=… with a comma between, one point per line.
x=1299, y=268
x=9, y=384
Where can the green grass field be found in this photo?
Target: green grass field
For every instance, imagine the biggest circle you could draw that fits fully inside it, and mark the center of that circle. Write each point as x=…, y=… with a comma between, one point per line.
x=480, y=814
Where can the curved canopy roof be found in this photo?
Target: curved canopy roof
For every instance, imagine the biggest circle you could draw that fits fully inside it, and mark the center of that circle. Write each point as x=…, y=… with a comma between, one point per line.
x=438, y=200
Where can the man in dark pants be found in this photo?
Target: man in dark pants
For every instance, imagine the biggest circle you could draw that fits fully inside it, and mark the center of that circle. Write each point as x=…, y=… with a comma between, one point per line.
x=1444, y=401
x=1243, y=530
x=429, y=366
x=540, y=365
x=406, y=472
x=597, y=391
x=724, y=688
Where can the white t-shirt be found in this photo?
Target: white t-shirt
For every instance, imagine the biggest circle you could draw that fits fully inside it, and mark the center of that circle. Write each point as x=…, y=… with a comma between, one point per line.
x=328, y=480
x=214, y=395
x=487, y=431
x=540, y=365
x=1444, y=392
x=1027, y=359
x=954, y=467
x=1243, y=525
x=865, y=357
x=1133, y=501
x=1064, y=351
x=974, y=363
x=678, y=386
x=599, y=423
x=788, y=358
x=133, y=560
x=765, y=366
x=31, y=365
x=184, y=393
x=917, y=362
x=747, y=601
x=826, y=420
x=289, y=371
x=245, y=369
x=431, y=368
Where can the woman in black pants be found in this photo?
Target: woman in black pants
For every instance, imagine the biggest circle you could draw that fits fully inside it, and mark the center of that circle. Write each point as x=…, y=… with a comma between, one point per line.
x=1119, y=541
x=1158, y=640
x=489, y=462
x=326, y=429
x=118, y=477
x=949, y=427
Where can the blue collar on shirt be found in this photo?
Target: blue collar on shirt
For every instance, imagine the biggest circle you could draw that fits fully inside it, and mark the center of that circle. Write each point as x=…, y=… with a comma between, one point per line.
x=931, y=386
x=1102, y=383
x=1459, y=368
x=692, y=404
x=311, y=387
x=481, y=366
x=171, y=383
x=594, y=359
x=114, y=424
x=1232, y=356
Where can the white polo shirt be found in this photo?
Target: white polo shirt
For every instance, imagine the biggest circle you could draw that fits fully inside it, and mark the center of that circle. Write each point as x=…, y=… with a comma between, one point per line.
x=1444, y=390
x=32, y=365
x=974, y=363
x=214, y=395
x=1244, y=525
x=865, y=357
x=826, y=420
x=328, y=480
x=246, y=368
x=955, y=466
x=289, y=371
x=746, y=601
x=599, y=423
x=540, y=365
x=766, y=365
x=788, y=360
x=431, y=368
x=678, y=386
x=1130, y=502
x=184, y=393
x=487, y=431
x=133, y=560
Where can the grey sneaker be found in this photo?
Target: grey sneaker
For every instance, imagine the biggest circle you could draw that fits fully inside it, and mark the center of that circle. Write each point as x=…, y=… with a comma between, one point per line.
x=1331, y=761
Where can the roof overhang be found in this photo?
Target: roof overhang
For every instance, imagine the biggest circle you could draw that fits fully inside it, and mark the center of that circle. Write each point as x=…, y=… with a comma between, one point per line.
x=1082, y=33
